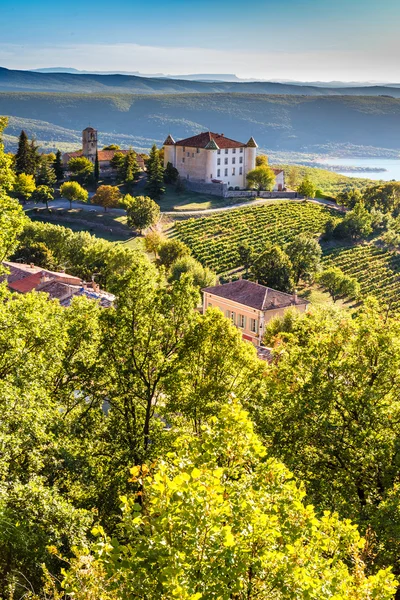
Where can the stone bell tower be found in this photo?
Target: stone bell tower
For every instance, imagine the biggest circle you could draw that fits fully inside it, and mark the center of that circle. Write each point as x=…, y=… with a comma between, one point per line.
x=89, y=143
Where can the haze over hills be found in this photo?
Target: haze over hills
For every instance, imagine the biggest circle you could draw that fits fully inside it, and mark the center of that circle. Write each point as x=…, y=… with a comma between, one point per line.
x=278, y=122
x=29, y=81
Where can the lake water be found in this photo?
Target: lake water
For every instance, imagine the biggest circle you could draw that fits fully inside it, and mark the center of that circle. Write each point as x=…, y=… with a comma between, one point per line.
x=392, y=167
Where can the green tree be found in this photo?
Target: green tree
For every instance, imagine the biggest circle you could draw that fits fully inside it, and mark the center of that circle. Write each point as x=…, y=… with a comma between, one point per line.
x=262, y=160
x=331, y=413
x=292, y=177
x=170, y=251
x=153, y=241
x=201, y=276
x=305, y=254
x=12, y=221
x=107, y=196
x=130, y=169
x=306, y=188
x=261, y=178
x=72, y=191
x=171, y=174
x=7, y=176
x=46, y=176
x=37, y=253
x=97, y=168
x=81, y=169
x=22, y=158
x=155, y=174
x=356, y=224
x=338, y=285
x=58, y=166
x=43, y=194
x=142, y=212
x=247, y=532
x=24, y=186
x=34, y=158
x=246, y=255
x=349, y=198
x=385, y=197
x=274, y=269
x=111, y=147
x=117, y=163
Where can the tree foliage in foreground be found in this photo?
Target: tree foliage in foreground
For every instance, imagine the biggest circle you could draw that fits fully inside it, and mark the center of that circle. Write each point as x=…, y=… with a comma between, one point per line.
x=216, y=519
x=142, y=212
x=332, y=412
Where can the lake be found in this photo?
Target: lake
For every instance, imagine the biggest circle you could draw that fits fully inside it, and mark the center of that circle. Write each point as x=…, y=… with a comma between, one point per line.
x=392, y=167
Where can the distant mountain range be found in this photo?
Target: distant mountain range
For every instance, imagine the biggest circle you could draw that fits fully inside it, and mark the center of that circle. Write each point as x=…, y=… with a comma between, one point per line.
x=66, y=82
x=282, y=123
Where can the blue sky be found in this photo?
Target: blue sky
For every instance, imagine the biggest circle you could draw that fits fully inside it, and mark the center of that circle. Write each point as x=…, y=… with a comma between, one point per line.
x=293, y=39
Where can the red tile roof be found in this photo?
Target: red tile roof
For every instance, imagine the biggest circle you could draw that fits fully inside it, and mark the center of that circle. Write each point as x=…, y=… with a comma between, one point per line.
x=104, y=155
x=202, y=139
x=26, y=284
x=254, y=295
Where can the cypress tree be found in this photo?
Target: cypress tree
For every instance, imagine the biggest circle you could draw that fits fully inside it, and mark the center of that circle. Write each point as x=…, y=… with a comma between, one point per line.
x=58, y=167
x=22, y=157
x=155, y=174
x=130, y=169
x=46, y=175
x=97, y=167
x=34, y=158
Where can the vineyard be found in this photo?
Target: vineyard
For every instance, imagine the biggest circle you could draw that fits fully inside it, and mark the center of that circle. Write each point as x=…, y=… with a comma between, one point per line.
x=214, y=240
x=376, y=270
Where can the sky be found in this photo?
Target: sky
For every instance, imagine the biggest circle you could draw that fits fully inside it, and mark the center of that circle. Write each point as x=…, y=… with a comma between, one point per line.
x=307, y=40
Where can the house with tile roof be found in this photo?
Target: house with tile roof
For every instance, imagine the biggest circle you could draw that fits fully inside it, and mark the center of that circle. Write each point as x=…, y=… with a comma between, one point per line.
x=250, y=305
x=214, y=158
x=90, y=149
x=23, y=278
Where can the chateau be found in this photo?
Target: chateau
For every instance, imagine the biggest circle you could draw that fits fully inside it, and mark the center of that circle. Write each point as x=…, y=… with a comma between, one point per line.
x=90, y=149
x=213, y=158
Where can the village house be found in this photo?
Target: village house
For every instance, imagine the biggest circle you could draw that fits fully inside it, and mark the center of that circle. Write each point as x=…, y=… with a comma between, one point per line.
x=213, y=158
x=90, y=149
x=250, y=305
x=24, y=278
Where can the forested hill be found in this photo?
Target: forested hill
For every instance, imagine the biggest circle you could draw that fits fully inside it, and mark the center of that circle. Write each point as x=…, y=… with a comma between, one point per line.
x=29, y=81
x=278, y=122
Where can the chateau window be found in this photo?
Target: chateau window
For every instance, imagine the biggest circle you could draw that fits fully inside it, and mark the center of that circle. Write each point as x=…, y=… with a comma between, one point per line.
x=241, y=150
x=233, y=171
x=240, y=159
x=218, y=151
x=226, y=172
x=226, y=161
x=219, y=173
x=233, y=160
x=233, y=150
x=253, y=325
x=198, y=150
x=241, y=171
x=183, y=159
x=192, y=154
x=242, y=321
x=226, y=150
x=183, y=148
x=218, y=161
x=187, y=153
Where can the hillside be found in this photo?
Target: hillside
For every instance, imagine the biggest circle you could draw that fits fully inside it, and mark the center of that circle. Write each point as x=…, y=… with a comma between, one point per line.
x=34, y=81
x=278, y=122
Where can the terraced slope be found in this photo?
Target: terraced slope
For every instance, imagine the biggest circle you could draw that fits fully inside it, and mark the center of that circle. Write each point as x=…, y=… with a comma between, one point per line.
x=214, y=240
x=377, y=270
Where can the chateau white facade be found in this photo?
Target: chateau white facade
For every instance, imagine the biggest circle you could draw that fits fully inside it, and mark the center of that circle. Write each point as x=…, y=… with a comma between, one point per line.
x=211, y=158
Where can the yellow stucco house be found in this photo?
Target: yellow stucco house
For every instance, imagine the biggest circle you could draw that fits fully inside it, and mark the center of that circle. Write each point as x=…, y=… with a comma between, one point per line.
x=250, y=305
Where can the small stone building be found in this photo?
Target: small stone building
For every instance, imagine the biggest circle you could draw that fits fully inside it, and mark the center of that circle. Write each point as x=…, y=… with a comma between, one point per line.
x=89, y=150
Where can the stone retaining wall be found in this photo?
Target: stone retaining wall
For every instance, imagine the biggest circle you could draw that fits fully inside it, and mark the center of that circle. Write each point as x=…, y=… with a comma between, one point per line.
x=221, y=190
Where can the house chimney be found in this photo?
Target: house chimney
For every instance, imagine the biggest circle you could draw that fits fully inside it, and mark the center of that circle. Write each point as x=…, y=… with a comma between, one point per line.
x=32, y=265
x=274, y=301
x=295, y=297
x=43, y=278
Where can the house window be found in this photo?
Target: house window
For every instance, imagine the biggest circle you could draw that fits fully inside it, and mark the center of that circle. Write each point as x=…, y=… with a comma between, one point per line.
x=209, y=305
x=219, y=173
x=218, y=161
x=253, y=325
x=233, y=160
x=218, y=151
x=241, y=159
x=226, y=161
x=183, y=148
x=241, y=150
x=187, y=153
x=233, y=171
x=226, y=172
x=242, y=321
x=183, y=159
x=233, y=150
x=231, y=315
x=226, y=150
x=241, y=171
